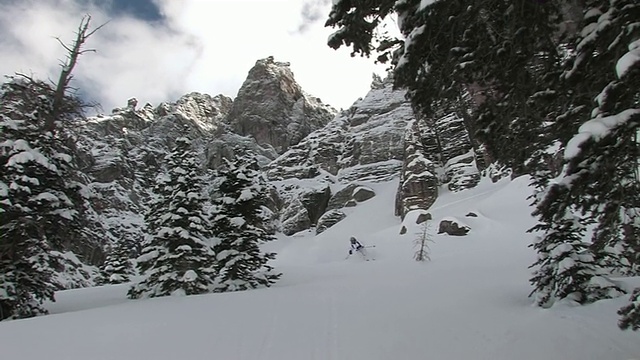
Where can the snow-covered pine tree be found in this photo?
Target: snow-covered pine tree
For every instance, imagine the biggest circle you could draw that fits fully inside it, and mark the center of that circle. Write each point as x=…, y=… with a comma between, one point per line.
x=566, y=265
x=177, y=257
x=630, y=314
x=117, y=267
x=376, y=82
x=604, y=155
x=238, y=226
x=40, y=206
x=601, y=153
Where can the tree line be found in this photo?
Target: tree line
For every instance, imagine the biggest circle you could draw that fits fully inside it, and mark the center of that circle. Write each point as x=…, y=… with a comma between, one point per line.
x=192, y=244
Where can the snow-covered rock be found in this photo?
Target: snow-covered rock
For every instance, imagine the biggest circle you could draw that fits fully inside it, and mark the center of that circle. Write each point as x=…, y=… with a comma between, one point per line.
x=329, y=219
x=418, y=188
x=457, y=153
x=272, y=108
x=453, y=227
x=301, y=205
x=363, y=193
x=363, y=143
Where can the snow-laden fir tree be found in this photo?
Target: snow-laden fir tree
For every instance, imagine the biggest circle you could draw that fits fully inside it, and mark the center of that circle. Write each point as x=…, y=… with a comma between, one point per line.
x=566, y=266
x=603, y=156
x=630, y=314
x=40, y=205
x=177, y=257
x=600, y=178
x=239, y=227
x=118, y=267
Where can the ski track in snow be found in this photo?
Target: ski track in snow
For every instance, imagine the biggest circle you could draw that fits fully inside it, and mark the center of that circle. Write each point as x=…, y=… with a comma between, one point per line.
x=470, y=302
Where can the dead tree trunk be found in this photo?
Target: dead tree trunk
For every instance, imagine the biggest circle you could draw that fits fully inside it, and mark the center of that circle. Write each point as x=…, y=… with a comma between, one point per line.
x=73, y=52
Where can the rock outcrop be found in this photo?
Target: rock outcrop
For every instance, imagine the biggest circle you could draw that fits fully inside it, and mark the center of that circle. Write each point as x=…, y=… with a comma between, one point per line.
x=121, y=153
x=363, y=143
x=418, y=188
x=273, y=109
x=458, y=155
x=329, y=219
x=301, y=205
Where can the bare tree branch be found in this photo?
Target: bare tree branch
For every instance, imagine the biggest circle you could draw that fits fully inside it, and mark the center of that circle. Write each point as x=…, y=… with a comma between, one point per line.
x=74, y=51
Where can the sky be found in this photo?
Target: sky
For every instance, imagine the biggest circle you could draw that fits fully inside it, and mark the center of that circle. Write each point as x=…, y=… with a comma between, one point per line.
x=158, y=50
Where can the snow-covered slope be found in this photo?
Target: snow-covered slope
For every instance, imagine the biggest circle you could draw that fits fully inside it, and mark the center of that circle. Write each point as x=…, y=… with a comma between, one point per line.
x=469, y=302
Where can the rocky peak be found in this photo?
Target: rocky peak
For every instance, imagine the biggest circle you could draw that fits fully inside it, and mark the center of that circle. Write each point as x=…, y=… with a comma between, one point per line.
x=203, y=108
x=272, y=108
x=363, y=143
x=200, y=110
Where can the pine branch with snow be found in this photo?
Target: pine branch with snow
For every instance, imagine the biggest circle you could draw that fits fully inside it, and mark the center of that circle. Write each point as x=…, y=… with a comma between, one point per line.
x=630, y=314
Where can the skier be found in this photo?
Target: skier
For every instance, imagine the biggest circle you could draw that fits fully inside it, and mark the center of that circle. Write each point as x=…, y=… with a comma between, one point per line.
x=356, y=246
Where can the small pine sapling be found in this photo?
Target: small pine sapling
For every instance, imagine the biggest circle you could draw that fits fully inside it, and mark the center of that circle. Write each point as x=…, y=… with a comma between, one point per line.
x=421, y=243
x=630, y=313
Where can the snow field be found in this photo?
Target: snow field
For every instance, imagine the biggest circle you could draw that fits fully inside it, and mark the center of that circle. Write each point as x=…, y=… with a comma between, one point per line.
x=469, y=302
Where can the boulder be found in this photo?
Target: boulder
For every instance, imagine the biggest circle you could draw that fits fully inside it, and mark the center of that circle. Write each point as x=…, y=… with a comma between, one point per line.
x=423, y=217
x=341, y=197
x=301, y=207
x=363, y=193
x=329, y=219
x=295, y=218
x=452, y=227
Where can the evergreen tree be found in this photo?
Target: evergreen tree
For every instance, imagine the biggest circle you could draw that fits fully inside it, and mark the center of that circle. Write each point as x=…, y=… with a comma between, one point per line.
x=566, y=266
x=39, y=205
x=630, y=314
x=238, y=226
x=177, y=257
x=603, y=156
x=601, y=152
x=376, y=82
x=117, y=267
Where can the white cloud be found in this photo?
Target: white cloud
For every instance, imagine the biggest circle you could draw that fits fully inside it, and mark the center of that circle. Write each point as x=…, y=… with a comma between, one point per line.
x=205, y=45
